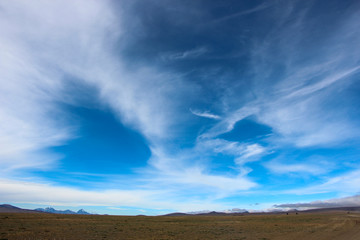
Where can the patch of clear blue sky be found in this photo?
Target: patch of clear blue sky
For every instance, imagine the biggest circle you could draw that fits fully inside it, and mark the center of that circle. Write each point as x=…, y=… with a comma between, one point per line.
x=101, y=143
x=246, y=130
x=104, y=144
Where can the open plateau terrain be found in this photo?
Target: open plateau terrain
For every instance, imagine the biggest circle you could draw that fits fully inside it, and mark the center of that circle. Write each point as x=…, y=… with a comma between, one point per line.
x=304, y=225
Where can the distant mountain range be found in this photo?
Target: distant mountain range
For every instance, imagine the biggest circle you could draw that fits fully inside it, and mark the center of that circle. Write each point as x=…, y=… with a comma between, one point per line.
x=7, y=208
x=317, y=210
x=52, y=210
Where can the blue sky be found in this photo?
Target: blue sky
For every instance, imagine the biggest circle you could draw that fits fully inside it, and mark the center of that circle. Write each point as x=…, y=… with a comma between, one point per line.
x=150, y=107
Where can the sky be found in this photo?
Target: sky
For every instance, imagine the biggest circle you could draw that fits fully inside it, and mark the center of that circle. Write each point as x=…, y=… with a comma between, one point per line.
x=150, y=107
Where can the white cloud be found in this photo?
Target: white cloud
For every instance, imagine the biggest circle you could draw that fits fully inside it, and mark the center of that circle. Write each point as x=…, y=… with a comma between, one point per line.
x=255, y=9
x=195, y=177
x=326, y=82
x=27, y=94
x=297, y=168
x=243, y=152
x=252, y=150
x=46, y=194
x=193, y=53
x=299, y=103
x=205, y=114
x=186, y=172
x=228, y=121
x=190, y=170
x=43, y=44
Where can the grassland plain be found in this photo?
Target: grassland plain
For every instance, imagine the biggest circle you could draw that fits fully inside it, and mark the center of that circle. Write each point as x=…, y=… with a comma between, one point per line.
x=329, y=225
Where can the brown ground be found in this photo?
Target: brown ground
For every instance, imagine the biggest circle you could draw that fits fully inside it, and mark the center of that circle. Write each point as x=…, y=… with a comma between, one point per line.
x=308, y=226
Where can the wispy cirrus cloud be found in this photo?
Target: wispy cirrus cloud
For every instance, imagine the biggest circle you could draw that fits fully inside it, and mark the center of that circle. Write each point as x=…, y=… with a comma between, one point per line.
x=255, y=9
x=329, y=80
x=191, y=170
x=205, y=114
x=241, y=151
x=296, y=168
x=345, y=184
x=38, y=60
x=48, y=194
x=189, y=54
x=303, y=89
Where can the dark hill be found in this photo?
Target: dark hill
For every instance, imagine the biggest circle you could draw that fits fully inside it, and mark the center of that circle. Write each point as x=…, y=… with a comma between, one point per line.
x=348, y=209
x=7, y=208
x=176, y=214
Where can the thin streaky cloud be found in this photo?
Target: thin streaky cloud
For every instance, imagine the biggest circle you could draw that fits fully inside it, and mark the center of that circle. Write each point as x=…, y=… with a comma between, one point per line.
x=324, y=83
x=258, y=8
x=189, y=54
x=291, y=168
x=204, y=114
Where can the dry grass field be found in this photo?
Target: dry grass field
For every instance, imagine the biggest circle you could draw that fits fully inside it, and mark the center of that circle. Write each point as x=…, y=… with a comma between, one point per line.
x=317, y=226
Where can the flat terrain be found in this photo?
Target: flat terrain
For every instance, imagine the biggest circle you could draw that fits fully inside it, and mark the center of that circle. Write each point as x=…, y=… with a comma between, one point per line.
x=327, y=225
